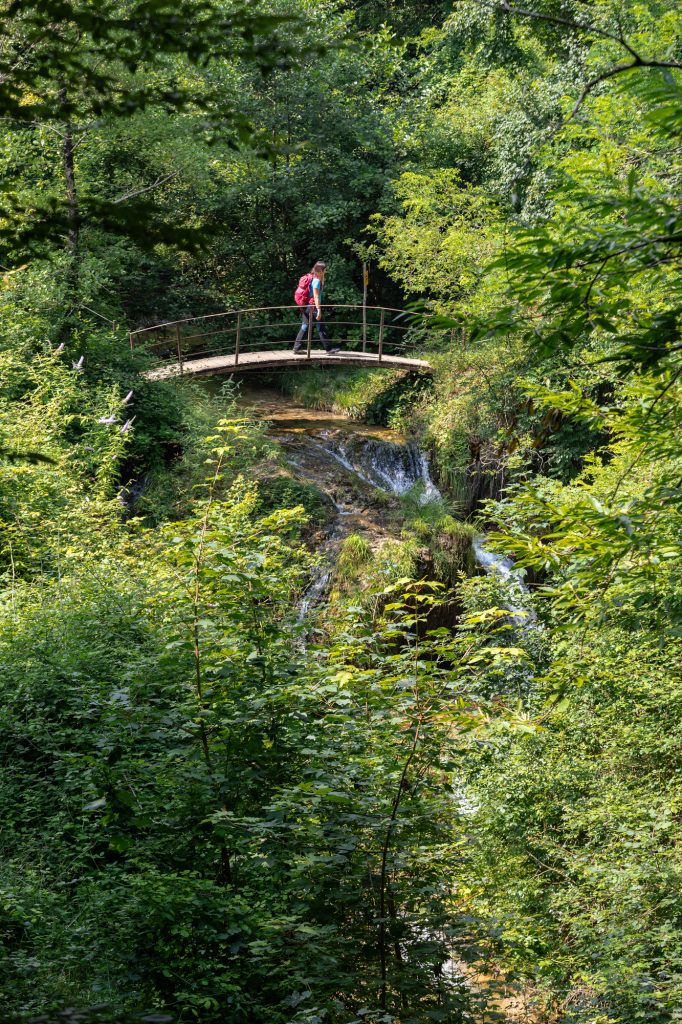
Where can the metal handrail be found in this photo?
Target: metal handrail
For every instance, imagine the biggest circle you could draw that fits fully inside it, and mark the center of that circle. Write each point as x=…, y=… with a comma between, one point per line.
x=173, y=340
x=272, y=327
x=270, y=309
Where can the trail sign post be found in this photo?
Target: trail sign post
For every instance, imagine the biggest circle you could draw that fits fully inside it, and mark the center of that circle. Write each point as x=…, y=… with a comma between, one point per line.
x=365, y=282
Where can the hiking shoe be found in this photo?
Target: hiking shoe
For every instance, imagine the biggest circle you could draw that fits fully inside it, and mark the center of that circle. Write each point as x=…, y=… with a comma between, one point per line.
x=333, y=351
x=300, y=352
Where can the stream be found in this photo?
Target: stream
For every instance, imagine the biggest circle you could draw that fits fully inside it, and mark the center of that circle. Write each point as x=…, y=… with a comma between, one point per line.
x=363, y=470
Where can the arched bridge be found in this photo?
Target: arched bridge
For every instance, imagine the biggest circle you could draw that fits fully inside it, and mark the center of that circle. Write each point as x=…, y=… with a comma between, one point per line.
x=263, y=339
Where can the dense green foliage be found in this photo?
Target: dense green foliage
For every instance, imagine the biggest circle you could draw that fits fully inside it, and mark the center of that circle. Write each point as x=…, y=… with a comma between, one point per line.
x=212, y=810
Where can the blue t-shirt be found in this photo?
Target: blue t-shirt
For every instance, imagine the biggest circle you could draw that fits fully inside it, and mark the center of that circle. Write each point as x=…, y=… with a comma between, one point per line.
x=316, y=285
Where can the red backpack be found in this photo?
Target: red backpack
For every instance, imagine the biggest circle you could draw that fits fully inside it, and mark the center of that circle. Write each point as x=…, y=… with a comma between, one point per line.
x=302, y=293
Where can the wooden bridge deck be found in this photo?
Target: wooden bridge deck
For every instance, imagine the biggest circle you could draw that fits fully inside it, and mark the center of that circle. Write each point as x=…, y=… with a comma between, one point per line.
x=252, y=361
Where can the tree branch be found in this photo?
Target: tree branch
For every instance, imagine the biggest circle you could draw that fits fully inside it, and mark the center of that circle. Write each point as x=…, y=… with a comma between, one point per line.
x=617, y=69
x=637, y=60
x=579, y=26
x=7, y=74
x=632, y=247
x=148, y=188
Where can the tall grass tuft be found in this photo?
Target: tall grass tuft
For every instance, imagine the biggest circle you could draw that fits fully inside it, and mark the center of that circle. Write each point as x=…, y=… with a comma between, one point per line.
x=355, y=555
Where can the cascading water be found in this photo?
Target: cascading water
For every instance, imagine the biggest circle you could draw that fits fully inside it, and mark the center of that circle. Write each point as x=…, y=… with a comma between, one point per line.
x=395, y=468
x=493, y=562
x=317, y=444
x=382, y=465
x=315, y=592
x=512, y=580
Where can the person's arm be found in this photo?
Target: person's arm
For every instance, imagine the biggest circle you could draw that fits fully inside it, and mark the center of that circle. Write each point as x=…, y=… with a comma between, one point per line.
x=316, y=297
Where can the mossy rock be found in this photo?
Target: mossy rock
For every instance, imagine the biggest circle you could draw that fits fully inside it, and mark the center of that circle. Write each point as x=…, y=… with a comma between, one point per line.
x=453, y=551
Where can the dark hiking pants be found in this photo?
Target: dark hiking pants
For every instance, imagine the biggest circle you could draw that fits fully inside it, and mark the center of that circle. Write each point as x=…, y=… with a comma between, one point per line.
x=302, y=336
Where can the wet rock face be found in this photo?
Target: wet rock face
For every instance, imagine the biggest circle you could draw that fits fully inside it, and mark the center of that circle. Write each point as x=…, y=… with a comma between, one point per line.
x=395, y=468
x=362, y=470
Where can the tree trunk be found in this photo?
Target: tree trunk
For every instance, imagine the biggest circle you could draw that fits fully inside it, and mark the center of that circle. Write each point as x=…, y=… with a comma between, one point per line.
x=72, y=207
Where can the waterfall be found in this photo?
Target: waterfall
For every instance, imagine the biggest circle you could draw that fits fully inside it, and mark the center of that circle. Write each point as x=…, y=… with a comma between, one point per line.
x=384, y=465
x=395, y=468
x=494, y=563
x=512, y=580
x=315, y=592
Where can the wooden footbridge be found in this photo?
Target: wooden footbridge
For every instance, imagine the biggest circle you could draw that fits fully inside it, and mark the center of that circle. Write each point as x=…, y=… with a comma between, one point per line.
x=247, y=340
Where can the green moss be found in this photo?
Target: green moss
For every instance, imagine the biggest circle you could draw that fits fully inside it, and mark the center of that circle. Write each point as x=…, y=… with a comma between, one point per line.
x=362, y=571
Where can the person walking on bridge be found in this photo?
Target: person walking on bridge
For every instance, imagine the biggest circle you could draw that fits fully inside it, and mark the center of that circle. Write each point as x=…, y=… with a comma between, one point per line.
x=310, y=297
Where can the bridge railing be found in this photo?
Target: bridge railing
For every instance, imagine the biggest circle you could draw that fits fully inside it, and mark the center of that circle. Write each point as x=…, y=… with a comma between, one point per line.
x=376, y=330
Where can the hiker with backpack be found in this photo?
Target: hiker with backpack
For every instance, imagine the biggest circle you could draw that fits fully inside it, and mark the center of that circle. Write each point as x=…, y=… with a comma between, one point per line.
x=309, y=296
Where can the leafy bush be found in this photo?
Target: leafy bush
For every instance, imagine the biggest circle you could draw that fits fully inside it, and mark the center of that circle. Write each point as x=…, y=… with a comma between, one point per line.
x=285, y=492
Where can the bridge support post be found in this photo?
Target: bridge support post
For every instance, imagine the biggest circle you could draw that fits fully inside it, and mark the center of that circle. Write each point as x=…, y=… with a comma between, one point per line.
x=178, y=344
x=381, y=335
x=238, y=338
x=310, y=328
